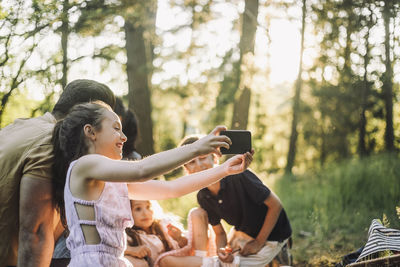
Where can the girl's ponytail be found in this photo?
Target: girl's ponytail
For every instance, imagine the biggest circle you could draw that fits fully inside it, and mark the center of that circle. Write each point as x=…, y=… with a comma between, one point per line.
x=69, y=143
x=59, y=173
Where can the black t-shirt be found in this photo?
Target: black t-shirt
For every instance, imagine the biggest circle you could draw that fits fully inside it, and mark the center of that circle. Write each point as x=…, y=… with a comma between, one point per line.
x=240, y=202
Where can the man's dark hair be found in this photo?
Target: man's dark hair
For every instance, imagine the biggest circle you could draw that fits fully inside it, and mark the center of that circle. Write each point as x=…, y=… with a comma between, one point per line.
x=119, y=108
x=82, y=91
x=130, y=128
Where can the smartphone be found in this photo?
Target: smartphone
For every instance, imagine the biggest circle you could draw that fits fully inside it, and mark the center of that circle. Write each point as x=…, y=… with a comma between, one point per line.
x=241, y=141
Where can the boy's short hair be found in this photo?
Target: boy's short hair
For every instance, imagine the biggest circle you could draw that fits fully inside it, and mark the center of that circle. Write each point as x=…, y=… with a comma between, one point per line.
x=190, y=139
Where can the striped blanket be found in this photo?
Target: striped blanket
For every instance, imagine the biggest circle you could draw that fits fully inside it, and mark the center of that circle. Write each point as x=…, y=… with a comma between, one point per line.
x=380, y=238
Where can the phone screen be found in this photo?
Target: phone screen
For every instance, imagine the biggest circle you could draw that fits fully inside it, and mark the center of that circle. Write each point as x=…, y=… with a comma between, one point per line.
x=241, y=141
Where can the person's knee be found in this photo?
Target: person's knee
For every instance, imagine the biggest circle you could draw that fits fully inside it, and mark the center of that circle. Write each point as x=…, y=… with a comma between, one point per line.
x=166, y=261
x=142, y=264
x=198, y=214
x=137, y=262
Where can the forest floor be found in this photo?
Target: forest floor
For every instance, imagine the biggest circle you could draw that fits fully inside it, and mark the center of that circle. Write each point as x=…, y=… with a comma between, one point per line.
x=330, y=209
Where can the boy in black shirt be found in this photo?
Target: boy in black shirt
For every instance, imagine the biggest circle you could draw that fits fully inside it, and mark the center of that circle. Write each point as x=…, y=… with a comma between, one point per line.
x=261, y=227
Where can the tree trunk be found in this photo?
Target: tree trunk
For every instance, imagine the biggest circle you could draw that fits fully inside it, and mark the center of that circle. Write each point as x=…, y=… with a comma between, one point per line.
x=387, y=87
x=362, y=149
x=249, y=26
x=345, y=83
x=296, y=101
x=241, y=110
x=241, y=105
x=64, y=43
x=226, y=95
x=139, y=91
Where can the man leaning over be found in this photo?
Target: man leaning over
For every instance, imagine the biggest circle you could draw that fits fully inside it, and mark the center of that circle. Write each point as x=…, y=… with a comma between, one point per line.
x=29, y=222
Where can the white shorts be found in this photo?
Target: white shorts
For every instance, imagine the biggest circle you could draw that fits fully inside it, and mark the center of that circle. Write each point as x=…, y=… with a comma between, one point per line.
x=263, y=257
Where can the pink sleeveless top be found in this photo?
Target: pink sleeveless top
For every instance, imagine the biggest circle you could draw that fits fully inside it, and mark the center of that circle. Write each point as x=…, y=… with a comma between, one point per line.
x=112, y=215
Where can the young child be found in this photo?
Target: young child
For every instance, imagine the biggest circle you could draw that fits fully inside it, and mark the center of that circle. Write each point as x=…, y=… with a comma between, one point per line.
x=150, y=237
x=261, y=227
x=155, y=240
x=87, y=150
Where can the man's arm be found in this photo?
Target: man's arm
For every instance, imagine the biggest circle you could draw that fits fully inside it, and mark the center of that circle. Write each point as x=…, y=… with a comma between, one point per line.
x=36, y=215
x=274, y=209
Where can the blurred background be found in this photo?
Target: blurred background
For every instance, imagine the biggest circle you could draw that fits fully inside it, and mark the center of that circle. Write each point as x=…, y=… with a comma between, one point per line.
x=315, y=81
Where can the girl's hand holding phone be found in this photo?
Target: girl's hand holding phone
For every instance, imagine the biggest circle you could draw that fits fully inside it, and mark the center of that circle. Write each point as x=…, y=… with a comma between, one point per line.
x=238, y=163
x=212, y=142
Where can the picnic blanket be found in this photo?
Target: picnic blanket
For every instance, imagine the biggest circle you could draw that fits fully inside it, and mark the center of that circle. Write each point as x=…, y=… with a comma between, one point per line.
x=380, y=238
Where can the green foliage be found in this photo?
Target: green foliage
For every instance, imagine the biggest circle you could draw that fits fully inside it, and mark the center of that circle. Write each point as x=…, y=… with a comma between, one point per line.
x=330, y=210
x=19, y=107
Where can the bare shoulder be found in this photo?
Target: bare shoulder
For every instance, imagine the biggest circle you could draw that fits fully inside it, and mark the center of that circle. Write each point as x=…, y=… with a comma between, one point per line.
x=99, y=167
x=91, y=159
x=85, y=165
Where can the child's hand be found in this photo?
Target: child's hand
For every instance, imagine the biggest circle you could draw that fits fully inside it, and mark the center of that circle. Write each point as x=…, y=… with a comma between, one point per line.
x=212, y=142
x=138, y=251
x=174, y=231
x=176, y=234
x=225, y=254
x=238, y=163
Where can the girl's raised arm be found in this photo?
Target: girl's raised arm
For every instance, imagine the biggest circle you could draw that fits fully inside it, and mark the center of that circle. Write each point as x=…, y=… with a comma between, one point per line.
x=99, y=167
x=157, y=190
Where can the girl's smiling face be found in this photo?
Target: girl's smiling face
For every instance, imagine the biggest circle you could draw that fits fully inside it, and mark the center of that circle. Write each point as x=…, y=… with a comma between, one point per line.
x=142, y=214
x=110, y=139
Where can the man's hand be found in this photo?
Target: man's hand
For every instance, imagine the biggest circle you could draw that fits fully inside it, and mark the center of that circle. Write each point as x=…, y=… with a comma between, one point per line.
x=251, y=247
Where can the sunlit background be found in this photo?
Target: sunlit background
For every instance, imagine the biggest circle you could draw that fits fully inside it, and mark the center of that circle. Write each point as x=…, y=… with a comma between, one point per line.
x=330, y=151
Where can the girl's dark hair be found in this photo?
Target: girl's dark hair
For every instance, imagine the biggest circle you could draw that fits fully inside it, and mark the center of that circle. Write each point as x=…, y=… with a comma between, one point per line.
x=82, y=91
x=69, y=144
x=155, y=229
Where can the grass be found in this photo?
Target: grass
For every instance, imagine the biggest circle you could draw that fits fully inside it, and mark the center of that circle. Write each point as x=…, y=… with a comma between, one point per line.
x=330, y=210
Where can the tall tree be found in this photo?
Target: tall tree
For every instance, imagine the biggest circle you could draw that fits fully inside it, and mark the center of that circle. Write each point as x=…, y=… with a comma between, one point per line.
x=64, y=42
x=368, y=21
x=139, y=26
x=138, y=65
x=387, y=86
x=334, y=82
x=296, y=99
x=243, y=92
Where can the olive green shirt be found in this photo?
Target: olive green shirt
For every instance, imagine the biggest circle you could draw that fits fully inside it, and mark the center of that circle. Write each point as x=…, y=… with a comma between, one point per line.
x=25, y=149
